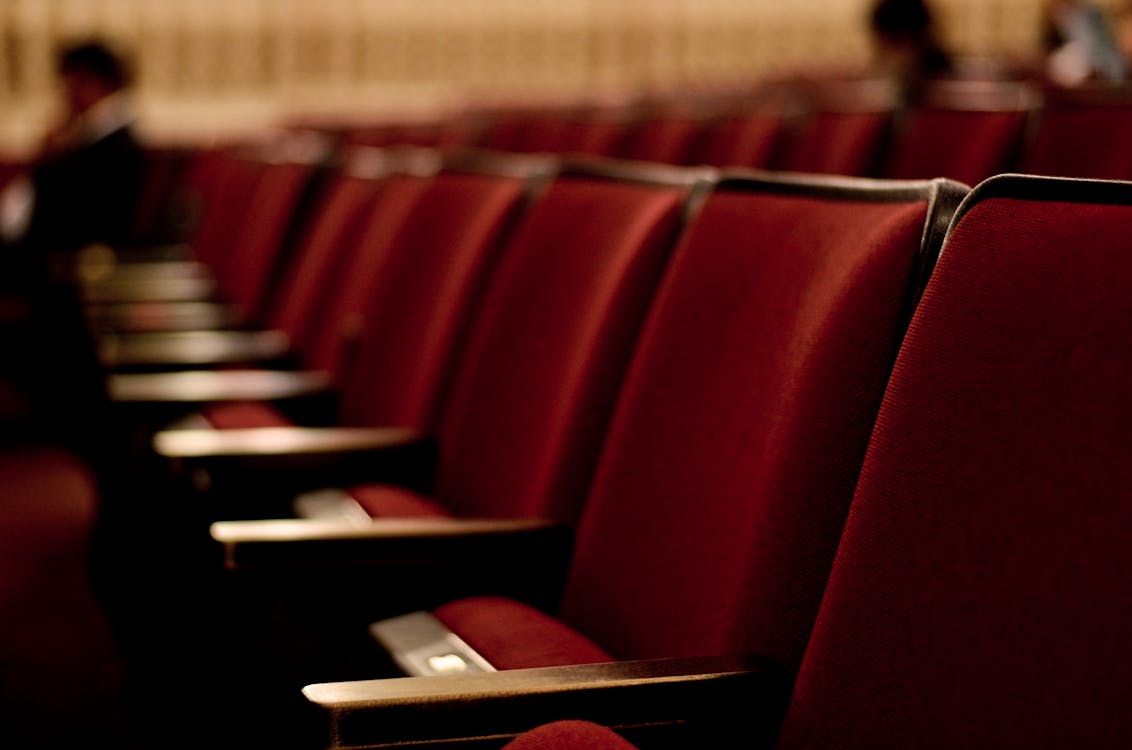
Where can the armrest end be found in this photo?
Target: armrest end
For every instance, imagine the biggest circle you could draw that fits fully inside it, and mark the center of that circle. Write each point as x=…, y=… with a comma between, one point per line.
x=731, y=696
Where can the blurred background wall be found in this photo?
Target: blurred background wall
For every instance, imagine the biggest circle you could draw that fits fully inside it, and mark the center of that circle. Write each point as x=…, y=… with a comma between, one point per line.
x=223, y=66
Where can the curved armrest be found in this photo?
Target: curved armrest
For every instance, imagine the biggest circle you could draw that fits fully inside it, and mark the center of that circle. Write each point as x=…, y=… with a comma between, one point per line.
x=158, y=289
x=270, y=444
x=162, y=316
x=192, y=348
x=143, y=270
x=738, y=698
x=210, y=387
x=253, y=470
x=287, y=543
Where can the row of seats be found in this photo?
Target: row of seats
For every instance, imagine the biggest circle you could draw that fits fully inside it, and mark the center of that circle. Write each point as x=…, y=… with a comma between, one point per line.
x=503, y=309
x=967, y=130
x=685, y=369
x=974, y=599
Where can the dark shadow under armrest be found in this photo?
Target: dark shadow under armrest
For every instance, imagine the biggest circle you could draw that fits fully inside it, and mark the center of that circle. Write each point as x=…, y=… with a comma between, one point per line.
x=285, y=543
x=739, y=698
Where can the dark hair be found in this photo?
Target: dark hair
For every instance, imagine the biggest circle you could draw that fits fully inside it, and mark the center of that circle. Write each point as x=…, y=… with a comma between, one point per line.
x=96, y=59
x=902, y=19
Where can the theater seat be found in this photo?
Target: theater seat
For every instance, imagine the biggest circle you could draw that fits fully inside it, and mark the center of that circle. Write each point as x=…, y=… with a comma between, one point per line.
x=844, y=130
x=569, y=735
x=724, y=481
x=978, y=595
x=519, y=415
x=964, y=130
x=321, y=258
x=1080, y=133
x=977, y=598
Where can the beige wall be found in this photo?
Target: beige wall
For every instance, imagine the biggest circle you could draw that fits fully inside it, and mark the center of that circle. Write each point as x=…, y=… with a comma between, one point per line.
x=223, y=65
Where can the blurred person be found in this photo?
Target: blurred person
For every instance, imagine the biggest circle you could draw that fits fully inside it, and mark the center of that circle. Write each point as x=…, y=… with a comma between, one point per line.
x=906, y=46
x=83, y=185
x=1081, y=44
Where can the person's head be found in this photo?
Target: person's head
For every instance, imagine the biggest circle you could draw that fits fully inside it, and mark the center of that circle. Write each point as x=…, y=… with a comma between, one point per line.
x=904, y=33
x=90, y=72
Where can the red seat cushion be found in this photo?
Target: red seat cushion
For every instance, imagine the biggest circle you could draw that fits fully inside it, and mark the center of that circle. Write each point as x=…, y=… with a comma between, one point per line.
x=386, y=501
x=244, y=415
x=569, y=735
x=511, y=635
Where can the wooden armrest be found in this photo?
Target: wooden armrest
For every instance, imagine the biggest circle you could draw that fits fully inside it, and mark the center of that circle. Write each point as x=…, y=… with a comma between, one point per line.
x=209, y=387
x=156, y=289
x=251, y=472
x=162, y=316
x=285, y=543
x=192, y=348
x=115, y=272
x=285, y=442
x=740, y=698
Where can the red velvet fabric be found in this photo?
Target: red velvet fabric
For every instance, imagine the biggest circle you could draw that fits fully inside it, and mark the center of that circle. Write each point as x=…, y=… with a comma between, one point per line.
x=845, y=143
x=259, y=238
x=244, y=415
x=547, y=353
x=980, y=595
x=1082, y=142
x=452, y=237
x=665, y=139
x=511, y=635
x=729, y=467
x=569, y=735
x=386, y=501
x=968, y=146
x=344, y=310
x=745, y=141
x=322, y=256
x=228, y=184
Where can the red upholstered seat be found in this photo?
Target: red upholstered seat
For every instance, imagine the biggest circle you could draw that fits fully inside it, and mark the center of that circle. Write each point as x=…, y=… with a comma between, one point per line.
x=844, y=131
x=522, y=635
x=739, y=141
x=390, y=331
x=965, y=130
x=979, y=595
x=324, y=254
x=1083, y=134
x=668, y=138
x=521, y=431
x=728, y=469
x=569, y=735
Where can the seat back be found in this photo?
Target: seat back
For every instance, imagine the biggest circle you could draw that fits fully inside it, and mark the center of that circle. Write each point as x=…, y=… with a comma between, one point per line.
x=739, y=140
x=668, y=137
x=727, y=474
x=1083, y=134
x=845, y=130
x=979, y=596
x=534, y=390
x=326, y=247
x=225, y=183
x=416, y=324
x=334, y=329
x=261, y=236
x=965, y=130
